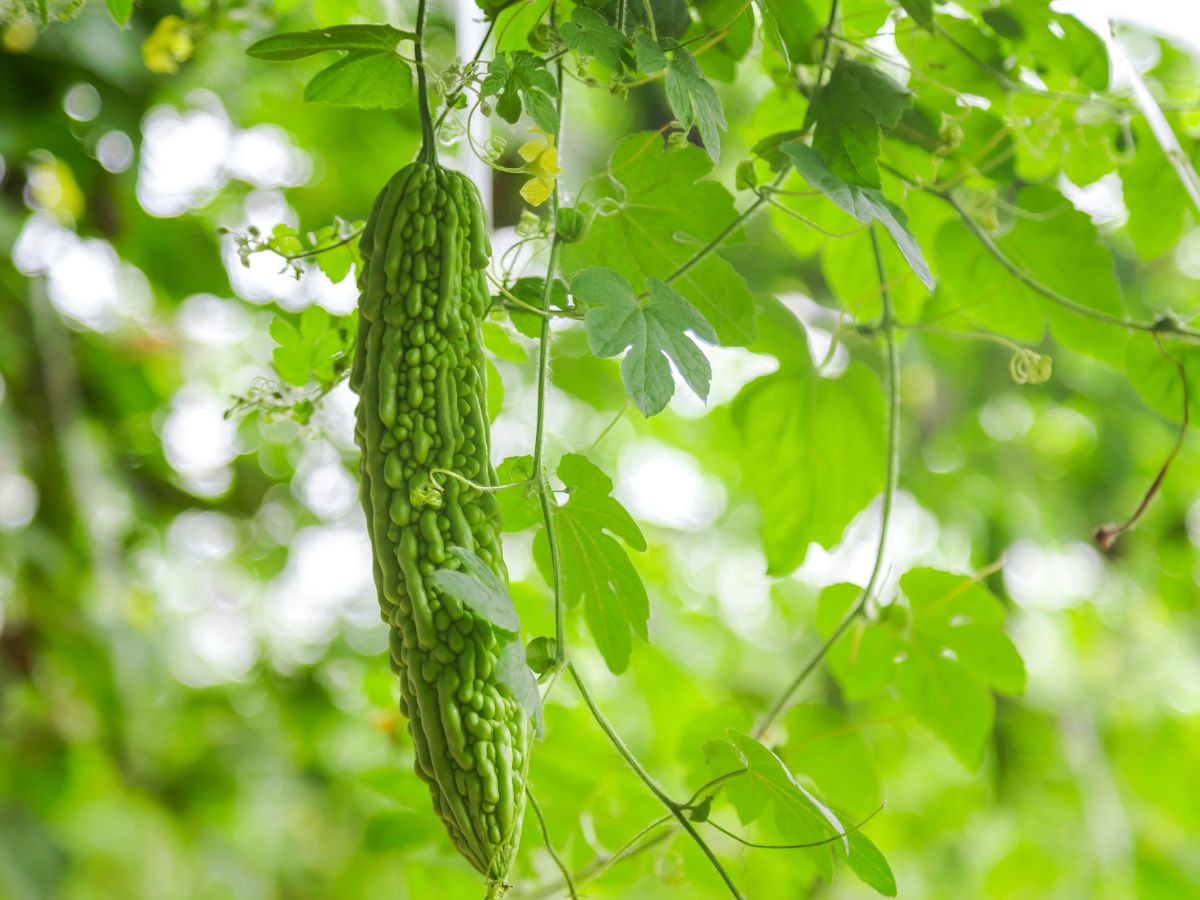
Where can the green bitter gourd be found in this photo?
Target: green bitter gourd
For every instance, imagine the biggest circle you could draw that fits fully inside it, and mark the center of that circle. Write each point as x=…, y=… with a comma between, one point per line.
x=420, y=376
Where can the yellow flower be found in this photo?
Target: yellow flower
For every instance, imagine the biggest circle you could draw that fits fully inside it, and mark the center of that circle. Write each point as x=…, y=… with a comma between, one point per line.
x=168, y=45
x=541, y=161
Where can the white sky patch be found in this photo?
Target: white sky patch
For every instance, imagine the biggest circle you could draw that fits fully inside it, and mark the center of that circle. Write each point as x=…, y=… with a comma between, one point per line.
x=114, y=150
x=18, y=501
x=1006, y=417
x=912, y=539
x=1177, y=19
x=1051, y=578
x=744, y=591
x=82, y=102
x=202, y=535
x=199, y=442
x=732, y=369
x=1103, y=199
x=86, y=281
x=327, y=578
x=208, y=319
x=323, y=483
x=189, y=156
x=666, y=486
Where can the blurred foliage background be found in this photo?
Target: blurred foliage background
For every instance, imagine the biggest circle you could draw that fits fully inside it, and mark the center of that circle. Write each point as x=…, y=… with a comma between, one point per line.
x=194, y=695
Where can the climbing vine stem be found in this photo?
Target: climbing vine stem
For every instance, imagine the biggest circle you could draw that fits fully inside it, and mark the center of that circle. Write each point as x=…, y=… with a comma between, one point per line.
x=566, y=873
x=677, y=810
x=545, y=497
x=887, y=327
x=428, y=141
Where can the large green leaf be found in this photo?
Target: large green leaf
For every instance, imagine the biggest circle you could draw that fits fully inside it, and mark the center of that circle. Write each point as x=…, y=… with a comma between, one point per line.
x=597, y=571
x=945, y=658
x=365, y=79
x=355, y=38
x=666, y=213
x=653, y=330
x=797, y=430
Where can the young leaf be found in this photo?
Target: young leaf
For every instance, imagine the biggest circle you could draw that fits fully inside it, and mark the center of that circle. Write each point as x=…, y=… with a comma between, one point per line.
x=518, y=506
x=865, y=204
x=768, y=785
x=664, y=198
x=849, y=111
x=513, y=671
x=477, y=586
x=290, y=357
x=795, y=427
x=589, y=34
x=597, y=571
x=650, y=58
x=774, y=36
x=654, y=330
x=695, y=101
x=869, y=864
x=522, y=81
x=921, y=12
x=945, y=661
x=120, y=10
x=316, y=351
x=364, y=79
x=299, y=44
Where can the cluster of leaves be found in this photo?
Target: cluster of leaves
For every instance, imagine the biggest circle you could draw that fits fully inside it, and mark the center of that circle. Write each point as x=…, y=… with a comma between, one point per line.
x=334, y=248
x=311, y=358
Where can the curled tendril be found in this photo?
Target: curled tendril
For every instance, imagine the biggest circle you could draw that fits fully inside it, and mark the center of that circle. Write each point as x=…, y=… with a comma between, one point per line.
x=1030, y=367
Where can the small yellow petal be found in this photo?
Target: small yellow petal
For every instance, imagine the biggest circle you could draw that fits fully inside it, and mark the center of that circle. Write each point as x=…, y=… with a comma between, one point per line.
x=532, y=150
x=536, y=191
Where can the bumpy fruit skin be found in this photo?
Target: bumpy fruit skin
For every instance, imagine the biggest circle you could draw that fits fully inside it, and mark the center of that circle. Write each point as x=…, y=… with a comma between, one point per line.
x=419, y=373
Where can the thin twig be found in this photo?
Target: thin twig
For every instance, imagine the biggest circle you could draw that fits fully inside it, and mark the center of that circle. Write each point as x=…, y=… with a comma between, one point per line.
x=674, y=808
x=888, y=327
x=1107, y=535
x=545, y=498
x=566, y=874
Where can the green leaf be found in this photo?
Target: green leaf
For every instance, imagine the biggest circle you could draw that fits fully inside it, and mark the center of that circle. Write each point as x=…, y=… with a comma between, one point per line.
x=654, y=330
x=597, y=571
x=364, y=79
x=769, y=785
x=529, y=290
x=864, y=660
x=869, y=864
x=695, y=101
x=1155, y=374
x=798, y=24
x=522, y=82
x=540, y=654
x=666, y=213
x=849, y=112
x=1058, y=246
x=948, y=658
x=650, y=58
x=588, y=33
x=825, y=744
x=921, y=12
x=513, y=672
x=865, y=204
x=120, y=10
x=519, y=508
x=795, y=429
x=297, y=45
x=479, y=589
x=958, y=709
x=290, y=358
x=772, y=32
